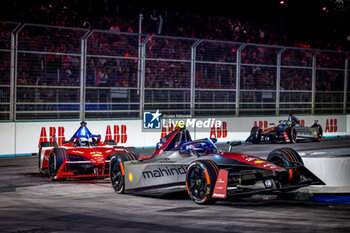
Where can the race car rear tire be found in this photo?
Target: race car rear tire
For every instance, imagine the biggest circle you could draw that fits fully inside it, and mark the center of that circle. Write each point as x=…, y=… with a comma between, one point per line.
x=292, y=134
x=56, y=159
x=117, y=171
x=43, y=144
x=255, y=134
x=284, y=157
x=200, y=181
x=133, y=151
x=319, y=132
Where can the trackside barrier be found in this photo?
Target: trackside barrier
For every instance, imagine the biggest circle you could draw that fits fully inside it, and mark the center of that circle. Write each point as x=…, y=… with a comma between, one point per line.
x=22, y=138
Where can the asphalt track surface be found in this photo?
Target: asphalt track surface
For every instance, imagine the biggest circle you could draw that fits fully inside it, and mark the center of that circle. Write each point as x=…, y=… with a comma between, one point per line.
x=30, y=203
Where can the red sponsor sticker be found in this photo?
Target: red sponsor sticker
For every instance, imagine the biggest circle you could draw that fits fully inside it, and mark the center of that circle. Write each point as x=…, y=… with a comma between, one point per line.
x=286, y=137
x=221, y=185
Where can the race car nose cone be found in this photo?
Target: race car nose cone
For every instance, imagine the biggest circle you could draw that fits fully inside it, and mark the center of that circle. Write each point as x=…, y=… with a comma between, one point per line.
x=97, y=159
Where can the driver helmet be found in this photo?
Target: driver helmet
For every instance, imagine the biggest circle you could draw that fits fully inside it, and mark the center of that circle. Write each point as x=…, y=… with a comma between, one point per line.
x=180, y=125
x=190, y=149
x=83, y=141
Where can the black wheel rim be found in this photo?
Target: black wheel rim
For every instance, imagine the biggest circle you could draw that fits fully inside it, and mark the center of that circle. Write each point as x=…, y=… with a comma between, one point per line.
x=285, y=164
x=117, y=177
x=197, y=183
x=279, y=162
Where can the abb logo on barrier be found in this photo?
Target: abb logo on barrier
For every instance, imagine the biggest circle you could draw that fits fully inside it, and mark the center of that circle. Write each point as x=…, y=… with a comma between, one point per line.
x=219, y=132
x=263, y=125
x=119, y=134
x=52, y=130
x=331, y=125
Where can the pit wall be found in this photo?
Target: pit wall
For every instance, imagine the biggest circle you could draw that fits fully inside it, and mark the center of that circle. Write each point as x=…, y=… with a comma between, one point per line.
x=23, y=138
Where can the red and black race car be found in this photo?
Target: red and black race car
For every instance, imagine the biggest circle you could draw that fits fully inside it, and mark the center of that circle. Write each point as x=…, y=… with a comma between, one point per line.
x=289, y=130
x=84, y=155
x=207, y=173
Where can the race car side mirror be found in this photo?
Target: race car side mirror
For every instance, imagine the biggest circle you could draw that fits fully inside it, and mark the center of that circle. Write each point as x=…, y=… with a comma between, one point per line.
x=235, y=143
x=232, y=144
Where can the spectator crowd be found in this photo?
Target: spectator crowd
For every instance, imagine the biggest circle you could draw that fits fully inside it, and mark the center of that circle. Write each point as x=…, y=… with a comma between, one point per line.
x=112, y=59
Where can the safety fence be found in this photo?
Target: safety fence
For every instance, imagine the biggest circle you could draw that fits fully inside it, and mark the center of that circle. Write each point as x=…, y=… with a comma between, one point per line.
x=51, y=73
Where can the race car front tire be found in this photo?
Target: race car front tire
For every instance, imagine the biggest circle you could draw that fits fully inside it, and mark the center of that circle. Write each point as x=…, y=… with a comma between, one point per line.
x=56, y=159
x=42, y=145
x=319, y=132
x=284, y=157
x=117, y=175
x=292, y=134
x=117, y=171
x=255, y=134
x=200, y=181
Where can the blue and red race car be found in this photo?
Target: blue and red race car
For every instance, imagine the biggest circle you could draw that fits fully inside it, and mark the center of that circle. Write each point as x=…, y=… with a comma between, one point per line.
x=84, y=155
x=289, y=130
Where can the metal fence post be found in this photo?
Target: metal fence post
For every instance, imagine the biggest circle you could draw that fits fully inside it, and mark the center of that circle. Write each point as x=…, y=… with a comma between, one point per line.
x=139, y=51
x=13, y=71
x=238, y=77
x=193, y=77
x=82, y=86
x=83, y=73
x=278, y=80
x=346, y=74
x=142, y=75
x=313, y=81
x=13, y=81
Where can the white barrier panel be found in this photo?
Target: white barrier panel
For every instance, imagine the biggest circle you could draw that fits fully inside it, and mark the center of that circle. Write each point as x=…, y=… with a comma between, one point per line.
x=7, y=139
x=334, y=171
x=331, y=166
x=22, y=138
